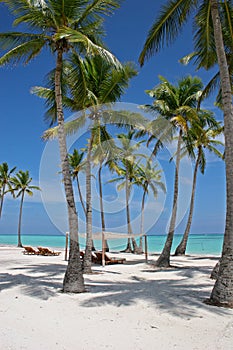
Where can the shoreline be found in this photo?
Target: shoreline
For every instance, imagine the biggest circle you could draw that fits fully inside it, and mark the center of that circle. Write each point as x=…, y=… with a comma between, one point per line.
x=129, y=306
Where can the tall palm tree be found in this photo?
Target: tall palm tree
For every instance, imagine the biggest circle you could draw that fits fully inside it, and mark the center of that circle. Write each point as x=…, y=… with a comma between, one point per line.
x=177, y=104
x=201, y=139
x=21, y=185
x=61, y=26
x=5, y=181
x=90, y=83
x=149, y=178
x=165, y=30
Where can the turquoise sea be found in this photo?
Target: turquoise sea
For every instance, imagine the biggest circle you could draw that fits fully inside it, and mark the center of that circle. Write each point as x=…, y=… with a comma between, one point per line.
x=204, y=244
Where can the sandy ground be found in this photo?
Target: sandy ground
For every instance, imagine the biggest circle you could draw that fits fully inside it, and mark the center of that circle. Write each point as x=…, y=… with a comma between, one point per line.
x=127, y=307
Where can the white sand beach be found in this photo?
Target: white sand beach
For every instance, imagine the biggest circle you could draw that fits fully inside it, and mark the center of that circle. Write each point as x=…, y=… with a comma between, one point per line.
x=127, y=307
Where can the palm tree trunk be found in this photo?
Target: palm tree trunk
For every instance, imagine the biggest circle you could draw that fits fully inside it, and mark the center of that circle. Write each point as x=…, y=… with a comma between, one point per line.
x=164, y=258
x=20, y=220
x=2, y=198
x=81, y=196
x=222, y=293
x=89, y=241
x=73, y=280
x=181, y=249
x=129, y=228
x=105, y=243
x=142, y=220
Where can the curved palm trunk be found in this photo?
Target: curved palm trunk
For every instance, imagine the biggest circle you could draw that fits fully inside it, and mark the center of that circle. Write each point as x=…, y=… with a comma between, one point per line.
x=20, y=221
x=2, y=198
x=164, y=258
x=222, y=293
x=104, y=243
x=81, y=196
x=89, y=241
x=73, y=280
x=181, y=249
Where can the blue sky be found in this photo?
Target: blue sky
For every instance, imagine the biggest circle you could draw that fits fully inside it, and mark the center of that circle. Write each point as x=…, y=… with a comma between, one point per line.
x=22, y=125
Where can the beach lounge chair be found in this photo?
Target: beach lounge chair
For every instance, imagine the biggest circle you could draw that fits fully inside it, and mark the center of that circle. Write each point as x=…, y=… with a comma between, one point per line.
x=108, y=260
x=30, y=251
x=47, y=252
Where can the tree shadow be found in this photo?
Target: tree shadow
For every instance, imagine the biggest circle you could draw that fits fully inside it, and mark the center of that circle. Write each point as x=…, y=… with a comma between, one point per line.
x=181, y=297
x=41, y=281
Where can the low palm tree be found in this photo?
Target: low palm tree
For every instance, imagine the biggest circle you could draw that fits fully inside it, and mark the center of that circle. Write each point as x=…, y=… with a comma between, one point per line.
x=148, y=178
x=126, y=168
x=201, y=139
x=21, y=186
x=5, y=181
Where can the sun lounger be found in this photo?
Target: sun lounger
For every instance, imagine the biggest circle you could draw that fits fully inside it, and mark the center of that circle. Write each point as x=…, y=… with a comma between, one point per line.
x=107, y=259
x=47, y=252
x=30, y=251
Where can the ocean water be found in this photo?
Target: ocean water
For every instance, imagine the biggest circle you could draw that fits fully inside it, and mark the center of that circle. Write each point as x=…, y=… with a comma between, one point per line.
x=204, y=244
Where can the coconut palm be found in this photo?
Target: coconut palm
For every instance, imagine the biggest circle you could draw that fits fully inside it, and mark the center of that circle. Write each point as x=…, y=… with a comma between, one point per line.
x=201, y=139
x=148, y=178
x=5, y=181
x=20, y=184
x=60, y=26
x=218, y=36
x=176, y=104
x=126, y=167
x=88, y=84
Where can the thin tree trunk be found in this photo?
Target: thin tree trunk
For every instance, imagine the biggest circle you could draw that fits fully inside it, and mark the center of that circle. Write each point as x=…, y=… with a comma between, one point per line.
x=129, y=228
x=20, y=220
x=142, y=220
x=80, y=196
x=73, y=280
x=89, y=241
x=2, y=198
x=181, y=249
x=105, y=243
x=222, y=293
x=164, y=258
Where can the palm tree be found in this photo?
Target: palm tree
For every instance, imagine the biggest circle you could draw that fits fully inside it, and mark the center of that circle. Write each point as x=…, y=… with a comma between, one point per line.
x=21, y=184
x=127, y=174
x=149, y=178
x=176, y=104
x=88, y=83
x=165, y=30
x=5, y=181
x=202, y=139
x=76, y=165
x=60, y=26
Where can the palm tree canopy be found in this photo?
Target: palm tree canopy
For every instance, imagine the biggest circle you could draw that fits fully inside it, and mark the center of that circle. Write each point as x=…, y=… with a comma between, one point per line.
x=175, y=14
x=21, y=183
x=63, y=25
x=5, y=174
x=76, y=162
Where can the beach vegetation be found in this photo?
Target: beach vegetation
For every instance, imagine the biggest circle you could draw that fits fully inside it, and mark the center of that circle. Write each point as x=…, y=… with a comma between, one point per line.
x=177, y=104
x=5, y=182
x=201, y=138
x=60, y=27
x=20, y=186
x=212, y=33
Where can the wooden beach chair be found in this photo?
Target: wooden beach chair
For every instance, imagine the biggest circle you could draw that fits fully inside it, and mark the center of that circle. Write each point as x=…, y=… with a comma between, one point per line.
x=108, y=260
x=30, y=251
x=47, y=252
